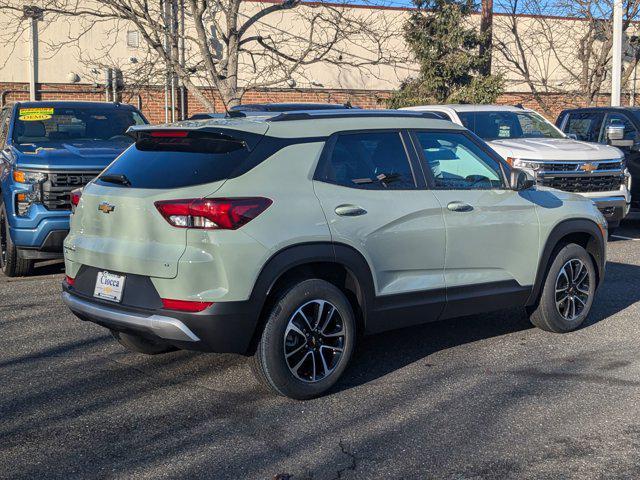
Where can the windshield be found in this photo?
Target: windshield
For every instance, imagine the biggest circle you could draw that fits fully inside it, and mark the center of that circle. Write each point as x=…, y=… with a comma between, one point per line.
x=41, y=125
x=508, y=125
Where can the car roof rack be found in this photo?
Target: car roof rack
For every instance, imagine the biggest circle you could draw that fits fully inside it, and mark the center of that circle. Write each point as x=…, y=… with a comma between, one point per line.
x=356, y=113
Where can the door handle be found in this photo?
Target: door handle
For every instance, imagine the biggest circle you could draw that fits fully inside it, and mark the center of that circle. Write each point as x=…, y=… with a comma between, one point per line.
x=459, y=207
x=349, y=210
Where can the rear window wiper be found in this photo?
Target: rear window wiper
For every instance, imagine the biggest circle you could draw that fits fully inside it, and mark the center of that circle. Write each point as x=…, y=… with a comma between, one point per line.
x=119, y=178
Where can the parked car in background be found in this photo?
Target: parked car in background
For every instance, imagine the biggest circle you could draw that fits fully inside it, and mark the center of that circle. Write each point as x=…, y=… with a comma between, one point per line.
x=525, y=139
x=289, y=107
x=617, y=126
x=284, y=235
x=48, y=150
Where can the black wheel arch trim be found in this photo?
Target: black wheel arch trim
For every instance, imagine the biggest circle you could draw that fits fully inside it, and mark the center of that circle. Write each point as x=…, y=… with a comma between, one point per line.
x=596, y=246
x=299, y=255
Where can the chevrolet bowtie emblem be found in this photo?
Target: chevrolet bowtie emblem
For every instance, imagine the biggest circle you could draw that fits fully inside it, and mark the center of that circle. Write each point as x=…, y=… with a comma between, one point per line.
x=105, y=207
x=588, y=167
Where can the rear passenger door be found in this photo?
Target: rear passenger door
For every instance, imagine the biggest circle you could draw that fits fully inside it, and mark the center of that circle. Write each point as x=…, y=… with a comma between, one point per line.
x=492, y=231
x=373, y=193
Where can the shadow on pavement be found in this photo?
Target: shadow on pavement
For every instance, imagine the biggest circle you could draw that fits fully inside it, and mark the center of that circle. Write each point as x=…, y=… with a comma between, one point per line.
x=50, y=267
x=381, y=354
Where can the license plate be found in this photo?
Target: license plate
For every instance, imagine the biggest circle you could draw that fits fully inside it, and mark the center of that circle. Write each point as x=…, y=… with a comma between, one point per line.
x=109, y=286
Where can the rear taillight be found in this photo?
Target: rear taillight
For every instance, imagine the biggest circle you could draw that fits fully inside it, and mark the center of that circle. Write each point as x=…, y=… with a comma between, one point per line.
x=70, y=281
x=75, y=198
x=214, y=214
x=185, y=305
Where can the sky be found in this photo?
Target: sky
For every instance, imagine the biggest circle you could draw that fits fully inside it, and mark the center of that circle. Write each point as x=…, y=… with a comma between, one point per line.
x=602, y=8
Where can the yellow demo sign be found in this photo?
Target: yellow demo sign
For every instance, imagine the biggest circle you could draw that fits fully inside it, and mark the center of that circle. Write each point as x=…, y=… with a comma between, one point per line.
x=35, y=114
x=33, y=117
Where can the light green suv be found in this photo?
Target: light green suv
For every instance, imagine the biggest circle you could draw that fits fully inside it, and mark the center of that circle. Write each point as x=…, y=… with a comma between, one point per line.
x=285, y=236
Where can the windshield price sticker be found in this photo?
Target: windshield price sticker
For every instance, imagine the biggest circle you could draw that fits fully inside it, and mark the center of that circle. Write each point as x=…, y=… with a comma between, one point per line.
x=35, y=114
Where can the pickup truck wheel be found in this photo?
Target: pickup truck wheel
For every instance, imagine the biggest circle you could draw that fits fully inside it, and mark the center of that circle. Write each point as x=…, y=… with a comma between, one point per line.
x=135, y=343
x=10, y=263
x=568, y=291
x=307, y=340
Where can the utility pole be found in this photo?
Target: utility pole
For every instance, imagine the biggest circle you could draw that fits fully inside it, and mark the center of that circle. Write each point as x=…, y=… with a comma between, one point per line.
x=486, y=30
x=33, y=14
x=616, y=72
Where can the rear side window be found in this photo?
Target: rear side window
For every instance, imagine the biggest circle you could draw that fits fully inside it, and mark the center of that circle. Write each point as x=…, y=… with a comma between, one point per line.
x=166, y=160
x=585, y=126
x=373, y=161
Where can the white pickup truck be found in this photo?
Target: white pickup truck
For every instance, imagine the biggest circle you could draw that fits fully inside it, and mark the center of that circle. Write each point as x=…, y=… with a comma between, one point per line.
x=529, y=142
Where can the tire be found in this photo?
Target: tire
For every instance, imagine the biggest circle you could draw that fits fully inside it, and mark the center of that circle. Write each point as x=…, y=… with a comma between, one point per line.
x=10, y=262
x=328, y=343
x=137, y=344
x=561, y=318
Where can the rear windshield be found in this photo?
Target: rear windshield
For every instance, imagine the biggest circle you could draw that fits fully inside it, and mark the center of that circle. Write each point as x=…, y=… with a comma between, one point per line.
x=42, y=125
x=166, y=162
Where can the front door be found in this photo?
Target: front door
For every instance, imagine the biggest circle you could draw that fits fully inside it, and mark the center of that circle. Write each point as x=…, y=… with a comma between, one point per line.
x=631, y=154
x=373, y=194
x=492, y=231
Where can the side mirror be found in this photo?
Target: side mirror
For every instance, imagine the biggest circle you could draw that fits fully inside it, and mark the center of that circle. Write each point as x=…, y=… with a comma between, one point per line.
x=615, y=132
x=572, y=136
x=615, y=136
x=521, y=180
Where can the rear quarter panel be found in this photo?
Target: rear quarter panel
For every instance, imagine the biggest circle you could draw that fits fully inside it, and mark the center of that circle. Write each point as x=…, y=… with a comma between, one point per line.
x=224, y=265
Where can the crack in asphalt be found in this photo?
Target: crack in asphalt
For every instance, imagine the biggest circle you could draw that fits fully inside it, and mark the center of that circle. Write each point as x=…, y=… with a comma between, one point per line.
x=352, y=466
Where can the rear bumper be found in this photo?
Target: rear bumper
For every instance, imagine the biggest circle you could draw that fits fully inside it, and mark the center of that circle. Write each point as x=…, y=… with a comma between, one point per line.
x=223, y=328
x=161, y=326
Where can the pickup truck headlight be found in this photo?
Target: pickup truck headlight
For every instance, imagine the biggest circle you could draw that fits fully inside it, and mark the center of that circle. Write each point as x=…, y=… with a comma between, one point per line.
x=524, y=164
x=22, y=176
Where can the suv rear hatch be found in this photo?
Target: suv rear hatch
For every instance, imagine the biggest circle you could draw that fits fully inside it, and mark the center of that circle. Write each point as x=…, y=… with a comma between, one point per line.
x=117, y=225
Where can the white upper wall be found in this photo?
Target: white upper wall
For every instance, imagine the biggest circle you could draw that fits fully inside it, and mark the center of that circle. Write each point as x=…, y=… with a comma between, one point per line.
x=100, y=44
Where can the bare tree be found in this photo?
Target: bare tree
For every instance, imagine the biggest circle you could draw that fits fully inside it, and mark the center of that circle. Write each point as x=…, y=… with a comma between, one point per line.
x=569, y=55
x=231, y=46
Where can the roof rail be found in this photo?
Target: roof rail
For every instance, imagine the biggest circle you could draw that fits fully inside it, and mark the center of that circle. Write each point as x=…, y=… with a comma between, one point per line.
x=355, y=113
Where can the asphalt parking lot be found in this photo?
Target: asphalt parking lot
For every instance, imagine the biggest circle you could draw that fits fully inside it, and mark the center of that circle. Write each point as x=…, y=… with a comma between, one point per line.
x=481, y=397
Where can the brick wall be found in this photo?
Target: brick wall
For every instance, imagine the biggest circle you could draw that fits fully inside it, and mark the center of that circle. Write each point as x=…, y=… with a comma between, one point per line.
x=152, y=99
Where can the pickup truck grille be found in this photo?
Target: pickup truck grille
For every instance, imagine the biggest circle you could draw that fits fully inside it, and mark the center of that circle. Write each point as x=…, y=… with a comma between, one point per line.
x=57, y=189
x=575, y=166
x=585, y=183
x=604, y=176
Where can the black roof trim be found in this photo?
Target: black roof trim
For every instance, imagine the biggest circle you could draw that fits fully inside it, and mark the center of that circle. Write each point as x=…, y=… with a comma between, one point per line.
x=291, y=116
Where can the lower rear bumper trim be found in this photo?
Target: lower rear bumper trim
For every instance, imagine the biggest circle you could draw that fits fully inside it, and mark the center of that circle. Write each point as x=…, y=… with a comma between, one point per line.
x=159, y=325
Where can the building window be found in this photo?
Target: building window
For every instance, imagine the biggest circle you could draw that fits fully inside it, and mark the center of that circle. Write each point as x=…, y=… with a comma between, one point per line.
x=133, y=39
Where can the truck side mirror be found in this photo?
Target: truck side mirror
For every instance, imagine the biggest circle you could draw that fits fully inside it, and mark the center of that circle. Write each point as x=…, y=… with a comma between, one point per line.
x=521, y=180
x=615, y=136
